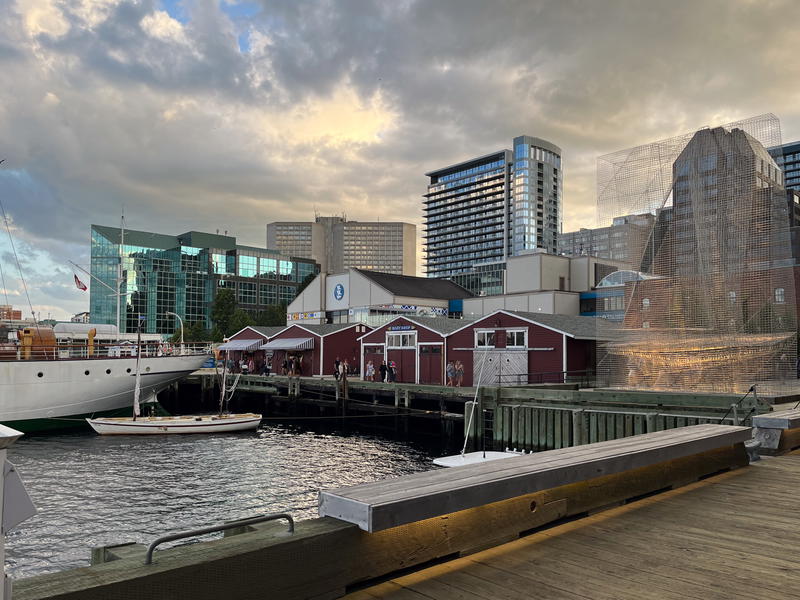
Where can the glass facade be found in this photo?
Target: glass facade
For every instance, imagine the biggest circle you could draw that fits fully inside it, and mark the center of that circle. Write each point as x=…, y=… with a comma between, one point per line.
x=159, y=274
x=489, y=208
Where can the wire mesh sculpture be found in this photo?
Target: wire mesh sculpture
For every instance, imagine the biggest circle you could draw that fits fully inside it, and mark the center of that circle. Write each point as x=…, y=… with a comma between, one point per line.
x=720, y=312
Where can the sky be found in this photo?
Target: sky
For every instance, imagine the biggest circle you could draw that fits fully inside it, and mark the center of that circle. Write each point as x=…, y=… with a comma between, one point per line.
x=208, y=114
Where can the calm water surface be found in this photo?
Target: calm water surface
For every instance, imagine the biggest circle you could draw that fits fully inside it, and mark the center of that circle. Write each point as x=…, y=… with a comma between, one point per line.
x=94, y=491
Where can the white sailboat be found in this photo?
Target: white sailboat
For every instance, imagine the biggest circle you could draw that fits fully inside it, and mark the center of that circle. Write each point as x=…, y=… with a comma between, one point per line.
x=481, y=456
x=223, y=422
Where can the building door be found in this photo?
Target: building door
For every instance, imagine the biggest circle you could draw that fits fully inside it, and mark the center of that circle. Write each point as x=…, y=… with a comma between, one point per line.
x=406, y=361
x=374, y=354
x=430, y=364
x=498, y=367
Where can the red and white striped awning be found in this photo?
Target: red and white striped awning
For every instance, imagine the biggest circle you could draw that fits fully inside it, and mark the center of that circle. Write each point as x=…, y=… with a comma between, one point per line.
x=241, y=345
x=290, y=344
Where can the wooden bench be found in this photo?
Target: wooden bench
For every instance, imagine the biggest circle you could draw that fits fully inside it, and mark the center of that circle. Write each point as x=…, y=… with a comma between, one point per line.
x=778, y=432
x=412, y=498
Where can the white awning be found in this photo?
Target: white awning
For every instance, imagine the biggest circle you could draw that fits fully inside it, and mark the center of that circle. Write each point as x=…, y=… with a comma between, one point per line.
x=241, y=345
x=289, y=344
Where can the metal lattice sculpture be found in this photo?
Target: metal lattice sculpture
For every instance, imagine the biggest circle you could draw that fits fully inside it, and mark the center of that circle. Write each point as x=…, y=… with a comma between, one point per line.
x=720, y=313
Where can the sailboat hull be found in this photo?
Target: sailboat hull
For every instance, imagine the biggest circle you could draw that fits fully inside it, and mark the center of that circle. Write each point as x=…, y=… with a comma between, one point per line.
x=38, y=395
x=175, y=425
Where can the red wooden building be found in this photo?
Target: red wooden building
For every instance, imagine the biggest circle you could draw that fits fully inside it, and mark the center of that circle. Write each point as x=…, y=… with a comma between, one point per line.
x=511, y=347
x=504, y=347
x=317, y=346
x=247, y=342
x=415, y=344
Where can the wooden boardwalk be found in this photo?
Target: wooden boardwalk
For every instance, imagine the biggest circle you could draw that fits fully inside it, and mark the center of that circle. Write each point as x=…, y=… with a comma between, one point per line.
x=735, y=535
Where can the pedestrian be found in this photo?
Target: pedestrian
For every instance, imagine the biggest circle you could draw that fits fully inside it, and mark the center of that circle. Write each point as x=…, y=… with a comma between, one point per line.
x=345, y=369
x=459, y=372
x=451, y=373
x=285, y=366
x=382, y=370
x=369, y=375
x=392, y=371
x=336, y=366
x=251, y=366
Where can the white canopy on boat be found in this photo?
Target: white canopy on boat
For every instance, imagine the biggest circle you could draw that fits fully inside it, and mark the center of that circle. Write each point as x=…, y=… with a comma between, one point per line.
x=241, y=345
x=289, y=344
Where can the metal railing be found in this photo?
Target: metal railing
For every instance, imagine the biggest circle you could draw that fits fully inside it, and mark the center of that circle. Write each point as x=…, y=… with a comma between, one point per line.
x=14, y=352
x=148, y=560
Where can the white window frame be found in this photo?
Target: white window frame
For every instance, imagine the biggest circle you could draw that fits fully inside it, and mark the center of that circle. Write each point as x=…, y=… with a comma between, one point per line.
x=479, y=332
x=524, y=333
x=402, y=336
x=780, y=293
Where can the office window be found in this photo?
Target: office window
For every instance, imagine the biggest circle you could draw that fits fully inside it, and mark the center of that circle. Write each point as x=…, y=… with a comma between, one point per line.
x=780, y=295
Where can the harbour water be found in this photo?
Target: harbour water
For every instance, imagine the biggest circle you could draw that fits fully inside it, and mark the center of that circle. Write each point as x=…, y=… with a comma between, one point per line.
x=95, y=491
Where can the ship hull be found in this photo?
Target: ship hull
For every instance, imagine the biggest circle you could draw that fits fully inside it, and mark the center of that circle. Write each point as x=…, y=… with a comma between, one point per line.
x=41, y=395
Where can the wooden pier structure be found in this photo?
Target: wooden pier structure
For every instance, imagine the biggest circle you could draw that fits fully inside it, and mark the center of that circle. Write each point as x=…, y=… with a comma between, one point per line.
x=672, y=514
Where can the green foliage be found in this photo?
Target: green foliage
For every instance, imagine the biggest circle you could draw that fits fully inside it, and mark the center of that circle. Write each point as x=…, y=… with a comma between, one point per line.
x=222, y=310
x=240, y=319
x=272, y=315
x=192, y=332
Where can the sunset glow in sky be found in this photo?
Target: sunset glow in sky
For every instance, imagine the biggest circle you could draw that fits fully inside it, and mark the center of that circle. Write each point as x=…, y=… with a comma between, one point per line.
x=209, y=114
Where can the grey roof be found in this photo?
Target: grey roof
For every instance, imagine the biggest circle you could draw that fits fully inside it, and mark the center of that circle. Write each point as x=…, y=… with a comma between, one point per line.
x=268, y=331
x=326, y=328
x=441, y=325
x=584, y=328
x=417, y=287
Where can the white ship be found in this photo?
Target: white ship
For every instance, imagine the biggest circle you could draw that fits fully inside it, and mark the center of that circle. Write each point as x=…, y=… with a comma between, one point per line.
x=53, y=389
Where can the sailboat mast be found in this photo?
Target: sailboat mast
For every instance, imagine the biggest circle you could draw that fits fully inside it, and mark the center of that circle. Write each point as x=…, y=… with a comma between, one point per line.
x=223, y=384
x=119, y=270
x=138, y=386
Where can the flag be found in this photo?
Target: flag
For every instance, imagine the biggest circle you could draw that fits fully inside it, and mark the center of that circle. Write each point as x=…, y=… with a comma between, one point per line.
x=79, y=284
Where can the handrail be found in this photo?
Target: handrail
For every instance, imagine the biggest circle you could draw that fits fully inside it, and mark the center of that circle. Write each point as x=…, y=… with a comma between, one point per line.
x=241, y=522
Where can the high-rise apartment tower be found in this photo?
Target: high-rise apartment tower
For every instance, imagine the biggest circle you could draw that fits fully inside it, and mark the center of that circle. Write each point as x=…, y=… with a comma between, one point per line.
x=488, y=208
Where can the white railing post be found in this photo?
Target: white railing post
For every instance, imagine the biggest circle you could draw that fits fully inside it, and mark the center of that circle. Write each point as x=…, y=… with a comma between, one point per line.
x=15, y=504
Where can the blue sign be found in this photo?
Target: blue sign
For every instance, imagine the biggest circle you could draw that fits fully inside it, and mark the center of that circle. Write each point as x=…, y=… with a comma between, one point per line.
x=400, y=327
x=338, y=291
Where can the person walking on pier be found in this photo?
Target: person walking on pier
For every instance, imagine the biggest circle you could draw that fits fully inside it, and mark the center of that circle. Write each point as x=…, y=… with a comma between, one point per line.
x=392, y=371
x=337, y=365
x=451, y=373
x=459, y=373
x=369, y=374
x=383, y=371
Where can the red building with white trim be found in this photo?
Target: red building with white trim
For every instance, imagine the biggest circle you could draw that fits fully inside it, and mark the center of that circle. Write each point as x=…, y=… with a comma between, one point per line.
x=317, y=346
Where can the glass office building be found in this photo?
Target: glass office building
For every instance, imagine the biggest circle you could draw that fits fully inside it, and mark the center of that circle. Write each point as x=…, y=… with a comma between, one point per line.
x=181, y=274
x=489, y=208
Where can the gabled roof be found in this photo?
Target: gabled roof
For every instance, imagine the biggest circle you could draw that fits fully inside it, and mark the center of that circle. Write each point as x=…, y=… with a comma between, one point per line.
x=326, y=328
x=441, y=325
x=261, y=330
x=580, y=328
x=416, y=287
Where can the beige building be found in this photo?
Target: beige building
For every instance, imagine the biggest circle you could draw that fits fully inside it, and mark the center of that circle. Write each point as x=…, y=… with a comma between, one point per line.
x=338, y=244
x=544, y=283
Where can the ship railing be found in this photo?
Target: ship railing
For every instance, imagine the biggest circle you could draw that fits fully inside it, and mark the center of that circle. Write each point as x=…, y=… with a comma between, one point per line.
x=78, y=351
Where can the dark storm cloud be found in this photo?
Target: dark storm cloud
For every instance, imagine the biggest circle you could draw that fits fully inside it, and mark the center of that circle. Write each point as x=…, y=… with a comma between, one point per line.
x=344, y=105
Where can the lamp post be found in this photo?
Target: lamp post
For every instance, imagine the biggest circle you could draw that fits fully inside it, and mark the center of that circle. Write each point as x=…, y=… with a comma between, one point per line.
x=177, y=316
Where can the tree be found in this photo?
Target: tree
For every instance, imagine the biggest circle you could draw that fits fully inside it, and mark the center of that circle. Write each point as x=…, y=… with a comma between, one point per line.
x=274, y=314
x=193, y=332
x=222, y=311
x=240, y=319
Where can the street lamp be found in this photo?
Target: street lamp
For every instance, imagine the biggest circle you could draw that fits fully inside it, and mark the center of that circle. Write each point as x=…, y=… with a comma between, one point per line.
x=177, y=316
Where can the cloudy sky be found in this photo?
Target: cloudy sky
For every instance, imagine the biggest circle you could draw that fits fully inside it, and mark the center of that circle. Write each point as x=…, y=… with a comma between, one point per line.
x=209, y=114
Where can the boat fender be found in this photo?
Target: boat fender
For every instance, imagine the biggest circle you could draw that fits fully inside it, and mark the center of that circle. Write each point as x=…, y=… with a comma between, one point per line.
x=198, y=418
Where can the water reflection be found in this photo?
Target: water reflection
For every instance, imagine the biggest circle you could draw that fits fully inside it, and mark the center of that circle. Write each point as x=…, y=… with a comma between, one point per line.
x=94, y=491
